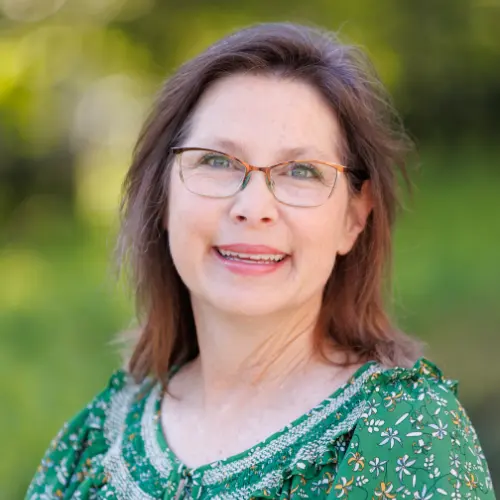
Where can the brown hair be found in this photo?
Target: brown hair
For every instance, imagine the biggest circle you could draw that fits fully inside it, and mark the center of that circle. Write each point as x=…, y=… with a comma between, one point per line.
x=353, y=314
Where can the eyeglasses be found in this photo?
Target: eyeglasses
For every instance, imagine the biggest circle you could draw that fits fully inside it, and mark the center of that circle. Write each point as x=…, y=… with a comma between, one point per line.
x=299, y=183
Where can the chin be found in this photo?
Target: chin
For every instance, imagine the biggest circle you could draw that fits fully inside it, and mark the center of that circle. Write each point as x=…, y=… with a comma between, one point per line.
x=248, y=303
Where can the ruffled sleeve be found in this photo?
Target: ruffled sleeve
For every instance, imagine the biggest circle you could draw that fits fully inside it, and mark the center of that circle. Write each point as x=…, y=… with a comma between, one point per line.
x=72, y=461
x=414, y=440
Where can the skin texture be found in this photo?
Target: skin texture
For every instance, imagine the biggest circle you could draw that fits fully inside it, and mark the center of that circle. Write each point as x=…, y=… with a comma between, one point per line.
x=255, y=332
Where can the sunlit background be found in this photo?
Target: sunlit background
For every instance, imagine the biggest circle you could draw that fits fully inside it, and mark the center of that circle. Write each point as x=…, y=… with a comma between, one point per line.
x=76, y=79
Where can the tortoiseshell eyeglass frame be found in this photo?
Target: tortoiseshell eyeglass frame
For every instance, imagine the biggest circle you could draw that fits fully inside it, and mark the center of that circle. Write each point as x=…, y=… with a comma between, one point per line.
x=265, y=170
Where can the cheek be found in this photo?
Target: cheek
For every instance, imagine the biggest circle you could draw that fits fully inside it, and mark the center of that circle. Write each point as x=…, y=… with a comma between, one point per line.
x=320, y=245
x=320, y=236
x=191, y=223
x=322, y=232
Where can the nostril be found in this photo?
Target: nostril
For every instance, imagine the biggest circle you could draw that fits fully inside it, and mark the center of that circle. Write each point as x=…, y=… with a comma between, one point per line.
x=241, y=218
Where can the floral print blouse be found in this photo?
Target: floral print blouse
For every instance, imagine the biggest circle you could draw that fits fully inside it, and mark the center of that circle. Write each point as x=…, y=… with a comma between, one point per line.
x=387, y=434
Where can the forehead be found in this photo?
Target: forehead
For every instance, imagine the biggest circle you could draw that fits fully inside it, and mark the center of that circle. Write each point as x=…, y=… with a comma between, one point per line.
x=262, y=115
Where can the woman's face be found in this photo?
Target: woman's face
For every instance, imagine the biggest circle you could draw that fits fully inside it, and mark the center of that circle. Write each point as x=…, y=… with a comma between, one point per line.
x=262, y=120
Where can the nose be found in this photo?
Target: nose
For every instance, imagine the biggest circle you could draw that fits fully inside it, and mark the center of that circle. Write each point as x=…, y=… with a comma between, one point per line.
x=255, y=204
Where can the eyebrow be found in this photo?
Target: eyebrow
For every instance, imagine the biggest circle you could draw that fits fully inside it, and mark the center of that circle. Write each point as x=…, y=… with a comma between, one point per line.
x=292, y=153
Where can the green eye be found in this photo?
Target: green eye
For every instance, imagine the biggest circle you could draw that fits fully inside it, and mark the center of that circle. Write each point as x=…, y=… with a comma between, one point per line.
x=303, y=171
x=216, y=161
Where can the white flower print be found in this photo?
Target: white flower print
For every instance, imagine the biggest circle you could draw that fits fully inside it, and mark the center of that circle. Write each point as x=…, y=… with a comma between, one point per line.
x=361, y=480
x=316, y=486
x=435, y=473
x=377, y=465
x=392, y=398
x=421, y=446
x=454, y=460
x=374, y=425
x=344, y=488
x=342, y=444
x=403, y=463
x=384, y=491
x=322, y=483
x=48, y=492
x=429, y=461
x=440, y=429
x=73, y=443
x=358, y=460
x=403, y=491
x=441, y=401
x=417, y=422
x=101, y=405
x=371, y=408
x=478, y=453
x=63, y=446
x=423, y=494
x=94, y=422
x=62, y=472
x=391, y=436
x=455, y=441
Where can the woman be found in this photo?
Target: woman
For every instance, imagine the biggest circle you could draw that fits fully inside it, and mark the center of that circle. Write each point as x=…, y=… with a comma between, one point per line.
x=266, y=365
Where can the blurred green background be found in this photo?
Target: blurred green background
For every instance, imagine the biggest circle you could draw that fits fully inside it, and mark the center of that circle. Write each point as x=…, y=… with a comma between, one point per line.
x=76, y=79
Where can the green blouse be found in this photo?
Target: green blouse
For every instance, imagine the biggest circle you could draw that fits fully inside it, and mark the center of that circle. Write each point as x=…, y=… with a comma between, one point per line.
x=386, y=434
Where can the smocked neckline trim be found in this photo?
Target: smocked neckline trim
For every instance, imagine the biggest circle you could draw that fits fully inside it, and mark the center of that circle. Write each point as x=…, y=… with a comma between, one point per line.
x=213, y=472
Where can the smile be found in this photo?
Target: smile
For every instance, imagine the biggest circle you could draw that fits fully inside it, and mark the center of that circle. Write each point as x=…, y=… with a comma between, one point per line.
x=251, y=258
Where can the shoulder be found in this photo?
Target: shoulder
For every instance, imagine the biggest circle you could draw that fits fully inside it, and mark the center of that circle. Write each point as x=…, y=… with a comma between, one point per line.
x=105, y=411
x=75, y=453
x=414, y=407
x=414, y=437
x=115, y=401
x=397, y=390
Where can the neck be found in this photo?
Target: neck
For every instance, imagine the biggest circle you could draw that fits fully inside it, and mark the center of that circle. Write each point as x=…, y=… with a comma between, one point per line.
x=249, y=355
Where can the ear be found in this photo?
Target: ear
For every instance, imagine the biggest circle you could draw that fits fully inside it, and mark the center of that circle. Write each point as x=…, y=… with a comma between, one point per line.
x=359, y=208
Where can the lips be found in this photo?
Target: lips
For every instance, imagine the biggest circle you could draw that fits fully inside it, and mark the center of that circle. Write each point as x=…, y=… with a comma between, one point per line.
x=251, y=254
x=252, y=258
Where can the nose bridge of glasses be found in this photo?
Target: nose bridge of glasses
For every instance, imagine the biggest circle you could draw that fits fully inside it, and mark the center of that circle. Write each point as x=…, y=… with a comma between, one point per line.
x=250, y=169
x=264, y=170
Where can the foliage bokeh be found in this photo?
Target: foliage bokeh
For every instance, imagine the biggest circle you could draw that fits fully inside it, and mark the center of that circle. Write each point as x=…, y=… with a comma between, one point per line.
x=76, y=80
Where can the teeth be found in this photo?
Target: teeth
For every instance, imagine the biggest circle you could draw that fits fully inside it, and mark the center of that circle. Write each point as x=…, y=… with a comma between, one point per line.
x=264, y=258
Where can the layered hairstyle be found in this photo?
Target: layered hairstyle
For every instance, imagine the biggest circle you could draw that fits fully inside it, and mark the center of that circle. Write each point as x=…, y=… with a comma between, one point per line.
x=353, y=315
